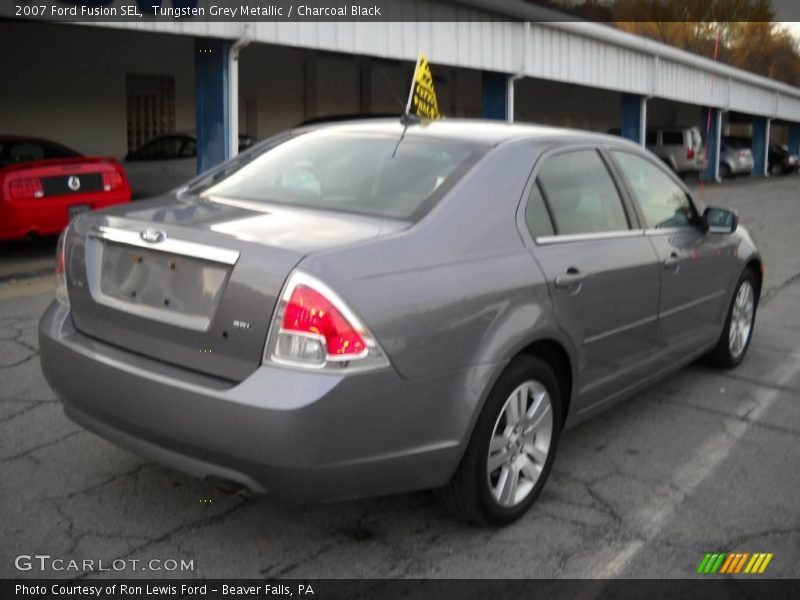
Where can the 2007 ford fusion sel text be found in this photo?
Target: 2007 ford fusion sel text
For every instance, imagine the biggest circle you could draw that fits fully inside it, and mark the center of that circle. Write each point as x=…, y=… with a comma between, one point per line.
x=370, y=307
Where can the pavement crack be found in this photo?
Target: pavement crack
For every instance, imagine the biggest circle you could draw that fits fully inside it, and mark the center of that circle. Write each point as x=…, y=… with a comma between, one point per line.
x=776, y=532
x=19, y=413
x=273, y=574
x=184, y=528
x=114, y=478
x=745, y=418
x=25, y=344
x=30, y=451
x=19, y=362
x=764, y=384
x=773, y=291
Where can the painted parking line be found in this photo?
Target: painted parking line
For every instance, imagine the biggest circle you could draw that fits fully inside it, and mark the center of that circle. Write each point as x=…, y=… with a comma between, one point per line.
x=657, y=515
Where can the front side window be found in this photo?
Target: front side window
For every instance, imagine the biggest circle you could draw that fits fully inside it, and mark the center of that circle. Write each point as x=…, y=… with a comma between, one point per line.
x=663, y=202
x=581, y=194
x=371, y=174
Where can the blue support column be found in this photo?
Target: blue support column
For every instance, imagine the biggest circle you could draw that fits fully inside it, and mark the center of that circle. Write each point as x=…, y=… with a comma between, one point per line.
x=760, y=145
x=494, y=87
x=211, y=101
x=633, y=117
x=794, y=138
x=712, y=131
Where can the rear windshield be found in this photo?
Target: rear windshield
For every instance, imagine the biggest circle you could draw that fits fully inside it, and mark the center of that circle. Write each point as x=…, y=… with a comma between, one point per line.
x=21, y=150
x=377, y=175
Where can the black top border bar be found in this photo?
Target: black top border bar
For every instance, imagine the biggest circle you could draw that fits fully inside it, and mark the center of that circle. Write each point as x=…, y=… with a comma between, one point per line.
x=291, y=11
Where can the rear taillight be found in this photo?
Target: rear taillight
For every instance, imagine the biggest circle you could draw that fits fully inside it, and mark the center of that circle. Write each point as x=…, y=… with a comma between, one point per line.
x=742, y=154
x=312, y=327
x=61, y=270
x=112, y=180
x=690, y=153
x=25, y=187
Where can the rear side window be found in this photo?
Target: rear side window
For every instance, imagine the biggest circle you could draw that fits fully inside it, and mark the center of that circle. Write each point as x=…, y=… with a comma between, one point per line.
x=581, y=194
x=662, y=201
x=536, y=215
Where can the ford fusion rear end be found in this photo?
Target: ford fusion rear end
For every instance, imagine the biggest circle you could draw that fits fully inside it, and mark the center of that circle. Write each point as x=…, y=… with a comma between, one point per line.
x=203, y=331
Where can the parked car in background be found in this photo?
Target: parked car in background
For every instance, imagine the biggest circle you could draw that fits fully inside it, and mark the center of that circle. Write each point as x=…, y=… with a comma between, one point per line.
x=679, y=147
x=735, y=159
x=44, y=184
x=378, y=307
x=781, y=160
x=166, y=162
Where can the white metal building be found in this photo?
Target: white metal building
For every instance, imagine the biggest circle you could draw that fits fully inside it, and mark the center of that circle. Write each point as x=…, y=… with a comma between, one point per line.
x=84, y=85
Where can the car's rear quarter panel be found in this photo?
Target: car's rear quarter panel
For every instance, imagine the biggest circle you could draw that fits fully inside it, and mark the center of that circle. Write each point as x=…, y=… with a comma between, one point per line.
x=456, y=291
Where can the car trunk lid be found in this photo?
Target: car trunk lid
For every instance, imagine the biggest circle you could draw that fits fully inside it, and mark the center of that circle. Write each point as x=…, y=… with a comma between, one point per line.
x=195, y=284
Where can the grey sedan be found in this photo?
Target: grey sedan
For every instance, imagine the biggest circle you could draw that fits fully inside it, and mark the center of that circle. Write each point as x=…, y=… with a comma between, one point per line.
x=375, y=307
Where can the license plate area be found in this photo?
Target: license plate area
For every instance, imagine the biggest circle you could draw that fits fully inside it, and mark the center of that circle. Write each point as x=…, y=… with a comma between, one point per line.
x=176, y=289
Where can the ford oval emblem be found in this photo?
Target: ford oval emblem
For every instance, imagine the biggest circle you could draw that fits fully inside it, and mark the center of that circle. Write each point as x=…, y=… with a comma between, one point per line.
x=153, y=236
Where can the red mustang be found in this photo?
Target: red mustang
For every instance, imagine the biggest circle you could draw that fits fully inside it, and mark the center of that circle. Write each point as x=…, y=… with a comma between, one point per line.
x=43, y=185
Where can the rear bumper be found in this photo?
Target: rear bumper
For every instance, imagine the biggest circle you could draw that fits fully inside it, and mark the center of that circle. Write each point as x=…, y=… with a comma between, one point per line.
x=48, y=216
x=742, y=166
x=297, y=435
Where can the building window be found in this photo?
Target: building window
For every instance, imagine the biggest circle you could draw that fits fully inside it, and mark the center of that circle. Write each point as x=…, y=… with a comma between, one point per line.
x=151, y=107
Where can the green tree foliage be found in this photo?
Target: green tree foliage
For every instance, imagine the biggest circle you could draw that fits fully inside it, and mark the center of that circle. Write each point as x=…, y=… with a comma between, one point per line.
x=749, y=39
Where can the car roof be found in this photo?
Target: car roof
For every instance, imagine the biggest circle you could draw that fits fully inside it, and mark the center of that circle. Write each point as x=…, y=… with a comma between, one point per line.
x=478, y=131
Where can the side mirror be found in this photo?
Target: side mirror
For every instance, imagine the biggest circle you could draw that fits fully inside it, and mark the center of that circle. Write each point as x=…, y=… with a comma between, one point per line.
x=720, y=220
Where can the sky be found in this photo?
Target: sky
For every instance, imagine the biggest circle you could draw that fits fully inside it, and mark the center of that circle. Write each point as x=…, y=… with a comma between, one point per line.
x=794, y=27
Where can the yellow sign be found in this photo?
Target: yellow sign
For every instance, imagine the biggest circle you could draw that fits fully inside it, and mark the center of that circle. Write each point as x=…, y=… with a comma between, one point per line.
x=422, y=98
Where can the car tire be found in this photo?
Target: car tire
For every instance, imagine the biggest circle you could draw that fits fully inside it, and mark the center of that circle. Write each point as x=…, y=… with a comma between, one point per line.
x=727, y=353
x=472, y=493
x=724, y=171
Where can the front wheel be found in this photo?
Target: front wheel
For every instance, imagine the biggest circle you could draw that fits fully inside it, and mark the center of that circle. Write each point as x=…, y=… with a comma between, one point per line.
x=512, y=448
x=735, y=338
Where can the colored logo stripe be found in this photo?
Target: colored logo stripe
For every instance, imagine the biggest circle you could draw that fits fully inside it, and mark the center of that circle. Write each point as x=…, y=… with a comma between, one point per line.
x=711, y=562
x=734, y=562
x=758, y=563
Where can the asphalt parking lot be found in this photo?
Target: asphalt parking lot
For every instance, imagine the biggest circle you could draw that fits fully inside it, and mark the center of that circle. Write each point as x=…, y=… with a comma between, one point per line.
x=704, y=461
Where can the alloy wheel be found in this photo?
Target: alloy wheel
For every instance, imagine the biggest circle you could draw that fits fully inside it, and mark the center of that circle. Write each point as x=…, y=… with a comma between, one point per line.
x=520, y=443
x=741, y=322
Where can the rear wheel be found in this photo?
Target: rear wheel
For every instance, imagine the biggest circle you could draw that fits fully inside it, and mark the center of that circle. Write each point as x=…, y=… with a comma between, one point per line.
x=735, y=338
x=724, y=171
x=512, y=448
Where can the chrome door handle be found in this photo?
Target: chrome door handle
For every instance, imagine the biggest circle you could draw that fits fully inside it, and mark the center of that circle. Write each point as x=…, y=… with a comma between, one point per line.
x=672, y=262
x=572, y=280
